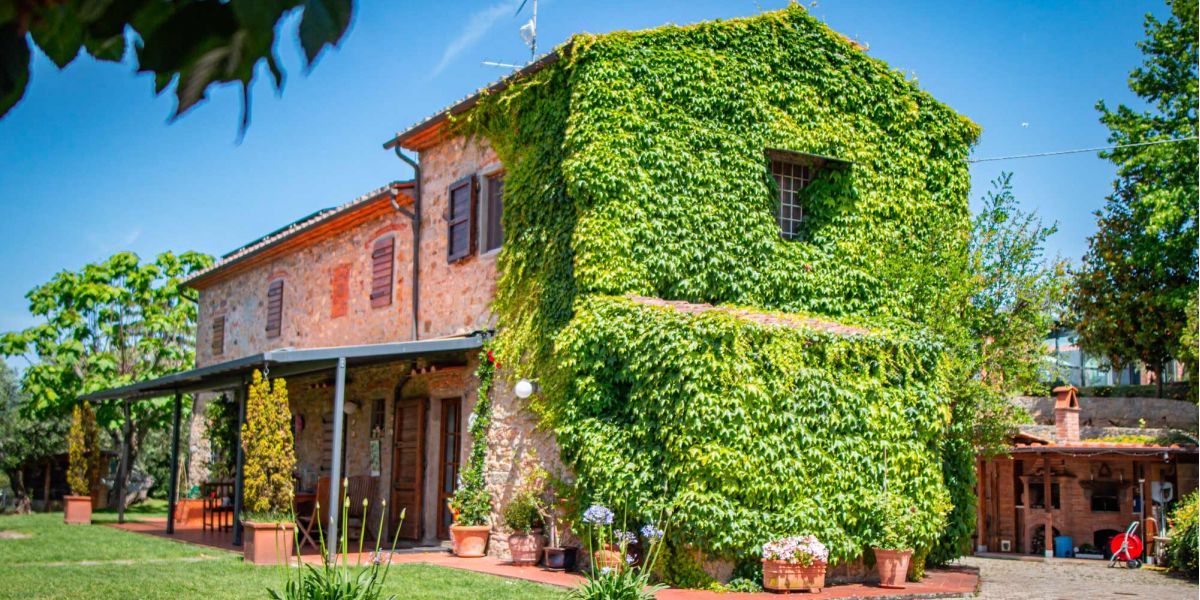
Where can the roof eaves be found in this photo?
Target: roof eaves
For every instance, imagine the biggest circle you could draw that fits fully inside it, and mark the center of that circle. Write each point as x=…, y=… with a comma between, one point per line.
x=466, y=103
x=288, y=231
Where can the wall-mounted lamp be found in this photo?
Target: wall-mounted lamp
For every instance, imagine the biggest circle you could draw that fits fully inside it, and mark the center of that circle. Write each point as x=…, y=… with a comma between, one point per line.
x=350, y=407
x=525, y=388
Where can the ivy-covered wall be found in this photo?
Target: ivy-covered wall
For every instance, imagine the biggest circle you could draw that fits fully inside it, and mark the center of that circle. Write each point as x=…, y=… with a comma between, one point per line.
x=636, y=164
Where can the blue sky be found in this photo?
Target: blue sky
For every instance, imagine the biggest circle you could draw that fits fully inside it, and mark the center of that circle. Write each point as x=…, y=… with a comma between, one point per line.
x=89, y=164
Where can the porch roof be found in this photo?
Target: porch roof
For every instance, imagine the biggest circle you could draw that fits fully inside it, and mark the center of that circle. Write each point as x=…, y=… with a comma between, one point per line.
x=284, y=362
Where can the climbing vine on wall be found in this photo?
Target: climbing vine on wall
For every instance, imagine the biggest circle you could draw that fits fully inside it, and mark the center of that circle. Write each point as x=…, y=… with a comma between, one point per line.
x=636, y=164
x=472, y=503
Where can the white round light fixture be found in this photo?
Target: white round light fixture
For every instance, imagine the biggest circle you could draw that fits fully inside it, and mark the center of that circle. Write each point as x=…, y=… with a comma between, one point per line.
x=524, y=388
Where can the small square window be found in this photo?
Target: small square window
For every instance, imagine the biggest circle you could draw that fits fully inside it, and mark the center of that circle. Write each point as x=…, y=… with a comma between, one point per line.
x=790, y=178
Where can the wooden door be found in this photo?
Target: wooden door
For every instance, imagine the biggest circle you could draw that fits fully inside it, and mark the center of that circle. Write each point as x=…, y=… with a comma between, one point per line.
x=408, y=452
x=448, y=461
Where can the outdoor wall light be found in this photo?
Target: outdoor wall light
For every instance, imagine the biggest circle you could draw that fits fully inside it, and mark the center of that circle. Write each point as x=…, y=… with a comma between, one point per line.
x=350, y=408
x=525, y=388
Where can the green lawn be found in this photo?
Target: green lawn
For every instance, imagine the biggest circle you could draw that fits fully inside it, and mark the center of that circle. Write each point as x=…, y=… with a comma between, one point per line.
x=60, y=561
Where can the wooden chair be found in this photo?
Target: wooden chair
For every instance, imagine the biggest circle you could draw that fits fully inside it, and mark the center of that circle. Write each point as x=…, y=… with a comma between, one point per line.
x=311, y=525
x=359, y=488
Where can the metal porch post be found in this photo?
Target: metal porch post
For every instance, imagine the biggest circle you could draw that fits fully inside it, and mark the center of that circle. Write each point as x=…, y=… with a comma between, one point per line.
x=123, y=472
x=239, y=475
x=173, y=481
x=335, y=471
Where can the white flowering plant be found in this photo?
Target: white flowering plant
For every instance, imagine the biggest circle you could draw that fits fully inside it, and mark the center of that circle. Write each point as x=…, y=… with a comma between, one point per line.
x=803, y=550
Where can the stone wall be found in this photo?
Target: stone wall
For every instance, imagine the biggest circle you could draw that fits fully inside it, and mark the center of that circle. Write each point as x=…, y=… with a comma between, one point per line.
x=516, y=446
x=327, y=286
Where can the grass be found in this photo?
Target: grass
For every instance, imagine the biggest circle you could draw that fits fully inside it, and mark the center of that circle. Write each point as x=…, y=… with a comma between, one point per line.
x=79, y=562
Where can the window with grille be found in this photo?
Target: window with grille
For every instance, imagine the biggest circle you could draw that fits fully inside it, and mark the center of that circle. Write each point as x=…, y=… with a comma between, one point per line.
x=791, y=176
x=492, y=232
x=275, y=309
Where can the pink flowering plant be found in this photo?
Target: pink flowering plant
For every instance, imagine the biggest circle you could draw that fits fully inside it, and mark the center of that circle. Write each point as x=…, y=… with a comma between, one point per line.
x=803, y=550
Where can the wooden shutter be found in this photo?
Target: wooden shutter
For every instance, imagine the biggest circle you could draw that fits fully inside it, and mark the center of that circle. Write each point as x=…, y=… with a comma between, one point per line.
x=382, y=262
x=493, y=235
x=275, y=308
x=460, y=219
x=218, y=335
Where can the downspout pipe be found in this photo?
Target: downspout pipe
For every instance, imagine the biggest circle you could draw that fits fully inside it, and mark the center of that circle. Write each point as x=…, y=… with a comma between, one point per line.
x=416, y=256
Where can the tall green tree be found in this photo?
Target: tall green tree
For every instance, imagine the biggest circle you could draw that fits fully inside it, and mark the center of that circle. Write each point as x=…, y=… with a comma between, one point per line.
x=194, y=43
x=27, y=443
x=1007, y=300
x=1140, y=271
x=109, y=324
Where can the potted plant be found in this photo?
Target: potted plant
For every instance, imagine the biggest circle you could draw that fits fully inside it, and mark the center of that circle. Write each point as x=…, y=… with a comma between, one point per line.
x=522, y=517
x=269, y=461
x=904, y=526
x=83, y=467
x=794, y=563
x=471, y=504
x=559, y=557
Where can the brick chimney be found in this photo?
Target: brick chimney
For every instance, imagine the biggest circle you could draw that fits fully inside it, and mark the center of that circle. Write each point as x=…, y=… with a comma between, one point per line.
x=1066, y=414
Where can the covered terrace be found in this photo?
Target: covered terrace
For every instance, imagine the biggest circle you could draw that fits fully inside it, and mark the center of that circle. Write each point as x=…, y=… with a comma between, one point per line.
x=234, y=376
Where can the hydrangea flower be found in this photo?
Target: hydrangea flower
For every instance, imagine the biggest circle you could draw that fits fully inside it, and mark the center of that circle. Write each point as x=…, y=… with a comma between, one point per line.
x=598, y=515
x=651, y=533
x=626, y=537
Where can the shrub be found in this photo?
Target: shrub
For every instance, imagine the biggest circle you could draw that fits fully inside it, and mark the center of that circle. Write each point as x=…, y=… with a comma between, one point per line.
x=83, y=451
x=522, y=514
x=335, y=580
x=1182, y=549
x=905, y=526
x=269, y=455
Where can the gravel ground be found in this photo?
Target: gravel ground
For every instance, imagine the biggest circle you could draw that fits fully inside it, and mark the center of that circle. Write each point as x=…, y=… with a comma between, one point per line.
x=1074, y=580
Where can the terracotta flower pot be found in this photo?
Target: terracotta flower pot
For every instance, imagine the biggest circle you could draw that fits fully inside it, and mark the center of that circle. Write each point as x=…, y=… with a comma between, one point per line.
x=608, y=557
x=77, y=510
x=781, y=576
x=268, y=543
x=893, y=567
x=526, y=548
x=470, y=541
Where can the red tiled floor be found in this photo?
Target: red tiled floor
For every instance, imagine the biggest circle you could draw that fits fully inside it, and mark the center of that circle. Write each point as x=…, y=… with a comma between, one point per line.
x=939, y=583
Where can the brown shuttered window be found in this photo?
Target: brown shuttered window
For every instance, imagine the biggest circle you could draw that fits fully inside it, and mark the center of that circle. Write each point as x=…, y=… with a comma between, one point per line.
x=493, y=231
x=218, y=335
x=382, y=260
x=460, y=218
x=275, y=308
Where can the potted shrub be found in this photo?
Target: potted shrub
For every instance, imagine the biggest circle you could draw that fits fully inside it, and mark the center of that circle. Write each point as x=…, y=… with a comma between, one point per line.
x=794, y=563
x=269, y=461
x=471, y=504
x=904, y=527
x=83, y=467
x=522, y=517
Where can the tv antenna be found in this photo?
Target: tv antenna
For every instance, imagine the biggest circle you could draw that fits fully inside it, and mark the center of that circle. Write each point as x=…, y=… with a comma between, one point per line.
x=529, y=29
x=528, y=34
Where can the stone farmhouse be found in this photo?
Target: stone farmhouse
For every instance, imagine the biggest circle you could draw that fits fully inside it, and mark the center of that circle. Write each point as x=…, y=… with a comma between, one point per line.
x=848, y=181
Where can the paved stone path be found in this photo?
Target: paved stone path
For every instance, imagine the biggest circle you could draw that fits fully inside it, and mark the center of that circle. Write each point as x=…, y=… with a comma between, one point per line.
x=1070, y=580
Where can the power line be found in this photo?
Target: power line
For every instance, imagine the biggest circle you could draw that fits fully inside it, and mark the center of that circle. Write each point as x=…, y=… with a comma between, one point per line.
x=1080, y=150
